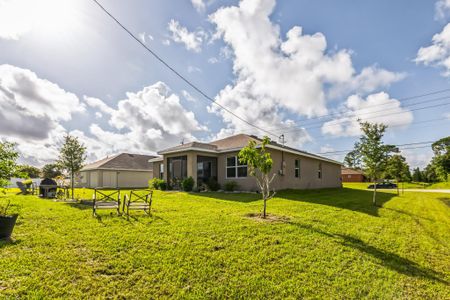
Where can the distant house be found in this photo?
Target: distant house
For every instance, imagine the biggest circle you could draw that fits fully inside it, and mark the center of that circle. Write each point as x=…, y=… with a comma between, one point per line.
x=218, y=161
x=123, y=170
x=352, y=175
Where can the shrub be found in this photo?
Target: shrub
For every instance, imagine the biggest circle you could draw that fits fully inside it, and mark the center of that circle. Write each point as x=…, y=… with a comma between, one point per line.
x=157, y=184
x=162, y=185
x=213, y=185
x=230, y=186
x=187, y=184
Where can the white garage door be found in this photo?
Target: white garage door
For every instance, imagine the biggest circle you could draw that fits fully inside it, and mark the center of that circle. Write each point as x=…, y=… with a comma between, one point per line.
x=109, y=179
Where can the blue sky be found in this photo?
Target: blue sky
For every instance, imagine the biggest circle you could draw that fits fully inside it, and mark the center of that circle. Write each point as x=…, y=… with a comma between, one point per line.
x=65, y=67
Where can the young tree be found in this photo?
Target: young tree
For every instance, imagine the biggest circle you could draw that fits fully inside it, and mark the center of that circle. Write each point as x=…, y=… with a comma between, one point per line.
x=259, y=163
x=353, y=160
x=71, y=157
x=8, y=166
x=397, y=168
x=30, y=171
x=51, y=171
x=374, y=153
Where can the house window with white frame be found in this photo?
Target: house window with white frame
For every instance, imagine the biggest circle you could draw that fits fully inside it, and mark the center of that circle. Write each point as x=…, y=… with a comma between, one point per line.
x=319, y=171
x=235, y=169
x=297, y=168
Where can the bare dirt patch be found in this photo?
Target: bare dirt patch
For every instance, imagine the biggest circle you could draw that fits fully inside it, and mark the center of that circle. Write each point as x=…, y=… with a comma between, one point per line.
x=269, y=218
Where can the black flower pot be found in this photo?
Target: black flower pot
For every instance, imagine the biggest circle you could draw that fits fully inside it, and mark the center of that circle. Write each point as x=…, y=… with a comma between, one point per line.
x=7, y=225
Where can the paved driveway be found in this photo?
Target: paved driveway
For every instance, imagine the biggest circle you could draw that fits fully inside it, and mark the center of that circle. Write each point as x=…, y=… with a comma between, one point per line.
x=428, y=191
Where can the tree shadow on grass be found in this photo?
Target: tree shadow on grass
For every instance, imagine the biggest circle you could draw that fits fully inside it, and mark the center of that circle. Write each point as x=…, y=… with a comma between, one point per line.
x=385, y=258
x=236, y=197
x=445, y=200
x=344, y=198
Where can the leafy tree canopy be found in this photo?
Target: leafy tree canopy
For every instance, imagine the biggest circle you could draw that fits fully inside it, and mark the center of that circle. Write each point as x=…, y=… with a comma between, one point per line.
x=8, y=158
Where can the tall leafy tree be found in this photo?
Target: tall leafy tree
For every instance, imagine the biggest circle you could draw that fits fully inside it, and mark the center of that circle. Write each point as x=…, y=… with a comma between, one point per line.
x=30, y=171
x=71, y=157
x=374, y=153
x=417, y=175
x=441, y=159
x=398, y=169
x=51, y=171
x=259, y=163
x=8, y=166
x=353, y=160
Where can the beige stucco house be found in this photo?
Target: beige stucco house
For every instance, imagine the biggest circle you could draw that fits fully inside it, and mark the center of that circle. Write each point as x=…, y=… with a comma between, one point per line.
x=296, y=169
x=123, y=170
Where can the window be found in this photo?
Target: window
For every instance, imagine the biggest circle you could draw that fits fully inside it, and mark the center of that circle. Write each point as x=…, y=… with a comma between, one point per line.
x=161, y=171
x=319, y=171
x=297, y=168
x=235, y=169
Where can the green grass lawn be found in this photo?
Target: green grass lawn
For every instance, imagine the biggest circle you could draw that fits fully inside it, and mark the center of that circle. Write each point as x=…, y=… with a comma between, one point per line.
x=332, y=244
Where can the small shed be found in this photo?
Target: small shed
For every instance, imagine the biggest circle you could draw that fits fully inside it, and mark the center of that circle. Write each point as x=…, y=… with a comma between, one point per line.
x=352, y=175
x=123, y=170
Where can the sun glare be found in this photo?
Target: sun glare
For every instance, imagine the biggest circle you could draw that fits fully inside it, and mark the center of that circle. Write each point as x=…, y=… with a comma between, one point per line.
x=44, y=17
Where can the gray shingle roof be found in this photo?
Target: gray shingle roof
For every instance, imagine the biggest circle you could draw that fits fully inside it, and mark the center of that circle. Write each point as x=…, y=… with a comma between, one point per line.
x=122, y=161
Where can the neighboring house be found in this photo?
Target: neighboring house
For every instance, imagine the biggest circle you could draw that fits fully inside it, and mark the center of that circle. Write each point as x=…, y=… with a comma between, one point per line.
x=352, y=175
x=123, y=170
x=218, y=160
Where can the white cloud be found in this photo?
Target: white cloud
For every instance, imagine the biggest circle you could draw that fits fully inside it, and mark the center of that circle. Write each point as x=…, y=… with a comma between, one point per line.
x=442, y=9
x=141, y=36
x=368, y=110
x=191, y=40
x=213, y=60
x=31, y=112
x=146, y=121
x=199, y=5
x=274, y=75
x=438, y=53
x=193, y=69
x=188, y=96
x=166, y=42
x=23, y=95
x=99, y=104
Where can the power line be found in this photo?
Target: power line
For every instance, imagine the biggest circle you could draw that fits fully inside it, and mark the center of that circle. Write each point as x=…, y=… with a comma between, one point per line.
x=376, y=105
x=399, y=145
x=161, y=60
x=355, y=119
x=342, y=115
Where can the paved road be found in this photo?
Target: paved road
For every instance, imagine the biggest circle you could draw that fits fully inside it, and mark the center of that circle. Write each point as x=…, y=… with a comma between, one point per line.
x=427, y=191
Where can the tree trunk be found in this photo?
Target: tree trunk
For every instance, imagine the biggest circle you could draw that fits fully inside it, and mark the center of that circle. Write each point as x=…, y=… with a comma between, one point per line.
x=398, y=189
x=403, y=188
x=264, y=210
x=71, y=183
x=374, y=200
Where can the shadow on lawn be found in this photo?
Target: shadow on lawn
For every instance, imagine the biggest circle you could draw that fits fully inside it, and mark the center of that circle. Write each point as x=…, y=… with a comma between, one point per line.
x=385, y=258
x=237, y=197
x=345, y=198
x=446, y=200
x=9, y=242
